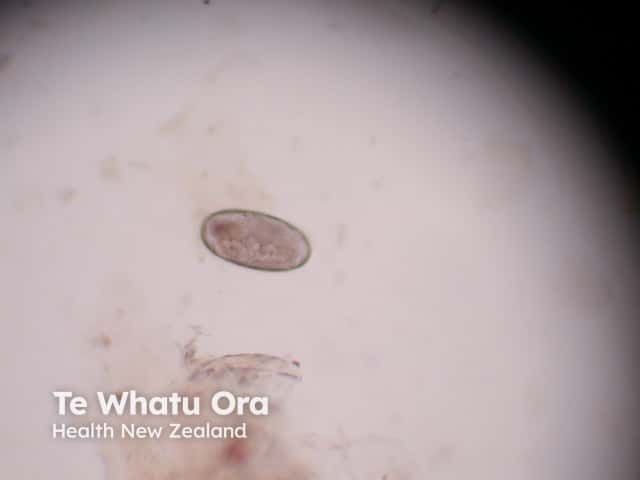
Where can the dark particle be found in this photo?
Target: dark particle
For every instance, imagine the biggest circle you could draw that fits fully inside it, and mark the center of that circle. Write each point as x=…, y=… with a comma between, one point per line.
x=255, y=240
x=67, y=195
x=103, y=341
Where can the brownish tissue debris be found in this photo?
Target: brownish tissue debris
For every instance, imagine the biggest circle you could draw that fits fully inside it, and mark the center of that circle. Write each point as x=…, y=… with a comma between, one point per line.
x=272, y=449
x=67, y=195
x=255, y=240
x=110, y=169
x=266, y=453
x=103, y=341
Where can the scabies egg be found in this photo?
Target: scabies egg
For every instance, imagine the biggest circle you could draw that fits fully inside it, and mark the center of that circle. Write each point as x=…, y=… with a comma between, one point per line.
x=255, y=240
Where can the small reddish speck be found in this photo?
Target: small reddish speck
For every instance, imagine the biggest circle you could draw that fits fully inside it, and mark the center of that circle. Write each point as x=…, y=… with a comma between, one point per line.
x=236, y=452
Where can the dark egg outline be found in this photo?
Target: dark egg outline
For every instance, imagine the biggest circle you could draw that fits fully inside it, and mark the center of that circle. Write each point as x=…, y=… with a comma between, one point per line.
x=203, y=229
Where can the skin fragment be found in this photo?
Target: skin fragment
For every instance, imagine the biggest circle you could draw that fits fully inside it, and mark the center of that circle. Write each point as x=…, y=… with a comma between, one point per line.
x=266, y=454
x=255, y=240
x=274, y=448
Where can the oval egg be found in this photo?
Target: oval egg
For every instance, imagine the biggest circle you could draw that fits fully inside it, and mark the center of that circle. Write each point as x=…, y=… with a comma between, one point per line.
x=255, y=240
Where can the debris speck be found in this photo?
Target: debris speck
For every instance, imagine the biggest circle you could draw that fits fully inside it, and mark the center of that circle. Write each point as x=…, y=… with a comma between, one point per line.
x=67, y=195
x=138, y=165
x=377, y=184
x=103, y=341
x=174, y=124
x=110, y=170
x=341, y=234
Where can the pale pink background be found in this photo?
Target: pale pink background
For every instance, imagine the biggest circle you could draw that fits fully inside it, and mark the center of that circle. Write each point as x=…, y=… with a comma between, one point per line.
x=470, y=287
